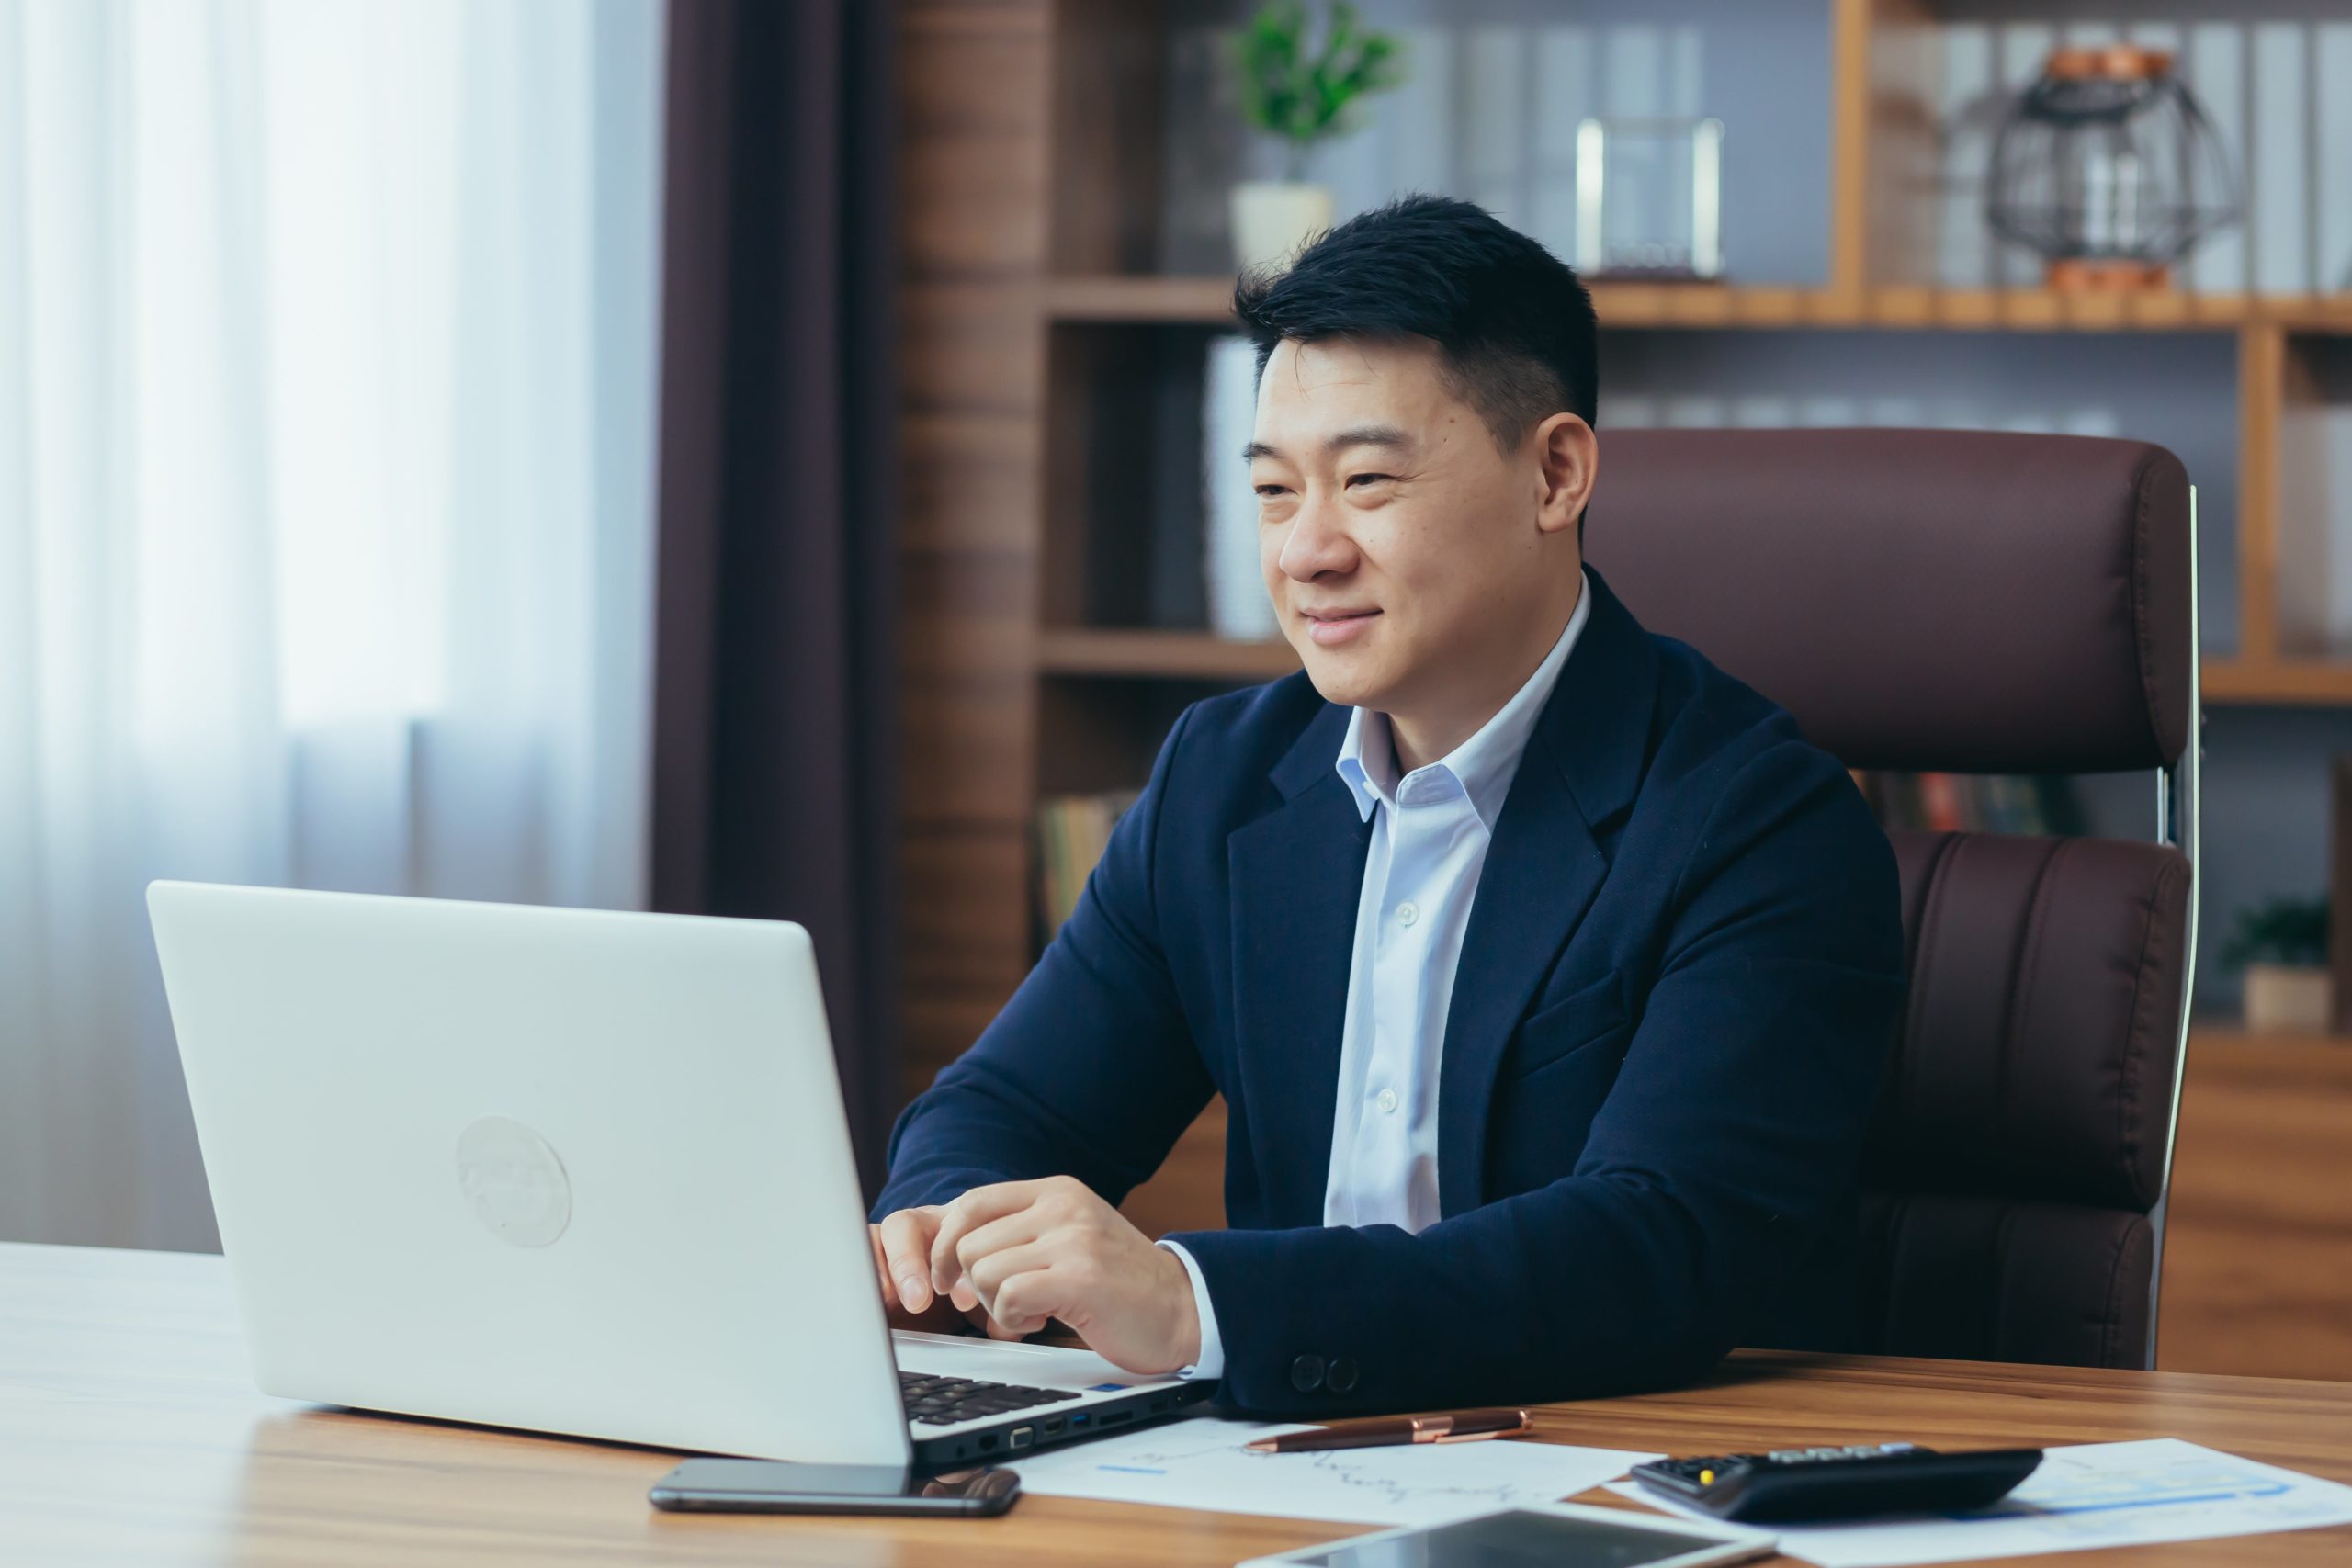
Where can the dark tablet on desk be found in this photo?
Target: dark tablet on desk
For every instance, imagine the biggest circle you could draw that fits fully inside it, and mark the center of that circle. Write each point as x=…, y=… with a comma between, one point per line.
x=1554, y=1535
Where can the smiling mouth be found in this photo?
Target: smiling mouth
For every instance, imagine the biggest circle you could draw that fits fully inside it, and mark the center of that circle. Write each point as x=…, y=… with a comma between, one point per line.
x=1328, y=627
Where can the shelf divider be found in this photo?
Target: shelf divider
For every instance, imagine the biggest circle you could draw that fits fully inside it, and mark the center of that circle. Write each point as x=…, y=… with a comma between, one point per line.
x=1170, y=655
x=1145, y=300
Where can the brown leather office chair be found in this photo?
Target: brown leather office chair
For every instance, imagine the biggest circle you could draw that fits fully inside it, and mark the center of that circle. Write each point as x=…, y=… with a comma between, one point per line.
x=1984, y=603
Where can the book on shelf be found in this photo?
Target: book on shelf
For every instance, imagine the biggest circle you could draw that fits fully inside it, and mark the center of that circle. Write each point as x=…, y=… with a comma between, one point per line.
x=1972, y=803
x=1072, y=832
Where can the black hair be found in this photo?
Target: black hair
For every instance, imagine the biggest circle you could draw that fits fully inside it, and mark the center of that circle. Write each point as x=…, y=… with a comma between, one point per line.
x=1514, y=329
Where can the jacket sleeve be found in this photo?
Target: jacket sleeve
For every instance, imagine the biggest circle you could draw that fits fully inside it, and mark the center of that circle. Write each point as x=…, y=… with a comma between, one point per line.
x=1728, y=1145
x=1090, y=1069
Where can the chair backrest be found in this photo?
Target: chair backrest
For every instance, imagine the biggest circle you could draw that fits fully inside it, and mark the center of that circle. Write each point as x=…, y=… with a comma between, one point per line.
x=1985, y=602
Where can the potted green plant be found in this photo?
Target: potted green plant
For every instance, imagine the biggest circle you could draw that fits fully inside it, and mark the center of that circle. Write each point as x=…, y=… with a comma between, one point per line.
x=1300, y=93
x=2282, y=946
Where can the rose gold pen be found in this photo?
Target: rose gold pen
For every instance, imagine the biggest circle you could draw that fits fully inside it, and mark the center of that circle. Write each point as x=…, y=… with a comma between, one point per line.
x=1460, y=1426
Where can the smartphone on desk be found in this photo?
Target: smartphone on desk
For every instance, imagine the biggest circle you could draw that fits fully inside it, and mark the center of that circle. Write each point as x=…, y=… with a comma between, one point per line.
x=774, y=1486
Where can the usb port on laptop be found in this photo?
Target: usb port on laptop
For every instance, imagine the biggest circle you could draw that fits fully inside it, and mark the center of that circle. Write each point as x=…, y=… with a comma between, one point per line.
x=1023, y=1436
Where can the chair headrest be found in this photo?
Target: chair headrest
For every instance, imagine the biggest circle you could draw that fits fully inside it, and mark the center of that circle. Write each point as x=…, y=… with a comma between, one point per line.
x=1960, y=601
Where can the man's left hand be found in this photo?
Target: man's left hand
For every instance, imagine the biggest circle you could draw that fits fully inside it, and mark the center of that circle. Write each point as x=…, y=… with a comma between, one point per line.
x=1029, y=1251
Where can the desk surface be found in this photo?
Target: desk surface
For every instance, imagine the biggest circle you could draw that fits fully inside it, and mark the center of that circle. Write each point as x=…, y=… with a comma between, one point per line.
x=130, y=1433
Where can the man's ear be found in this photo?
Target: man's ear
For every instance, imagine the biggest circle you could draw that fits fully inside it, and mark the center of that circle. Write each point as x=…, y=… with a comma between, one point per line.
x=1567, y=456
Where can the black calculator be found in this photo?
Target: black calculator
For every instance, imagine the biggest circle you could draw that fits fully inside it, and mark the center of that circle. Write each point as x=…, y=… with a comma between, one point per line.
x=1790, y=1485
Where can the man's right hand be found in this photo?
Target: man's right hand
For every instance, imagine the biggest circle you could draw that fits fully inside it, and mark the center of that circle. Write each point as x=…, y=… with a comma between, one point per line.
x=902, y=1257
x=902, y=1264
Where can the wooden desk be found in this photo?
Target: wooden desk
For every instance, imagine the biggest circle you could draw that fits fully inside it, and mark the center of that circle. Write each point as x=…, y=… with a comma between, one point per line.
x=128, y=1433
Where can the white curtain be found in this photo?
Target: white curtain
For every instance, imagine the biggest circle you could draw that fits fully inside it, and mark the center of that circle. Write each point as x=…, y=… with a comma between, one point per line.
x=327, y=402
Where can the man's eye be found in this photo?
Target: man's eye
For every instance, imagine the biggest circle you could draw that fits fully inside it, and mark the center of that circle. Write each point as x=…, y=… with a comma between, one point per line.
x=1271, y=491
x=1371, y=479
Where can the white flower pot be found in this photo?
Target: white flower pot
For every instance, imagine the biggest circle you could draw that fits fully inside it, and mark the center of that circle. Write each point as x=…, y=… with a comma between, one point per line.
x=1273, y=219
x=2287, y=998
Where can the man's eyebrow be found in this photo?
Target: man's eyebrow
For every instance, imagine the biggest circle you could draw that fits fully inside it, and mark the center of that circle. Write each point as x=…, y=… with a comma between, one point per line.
x=1386, y=436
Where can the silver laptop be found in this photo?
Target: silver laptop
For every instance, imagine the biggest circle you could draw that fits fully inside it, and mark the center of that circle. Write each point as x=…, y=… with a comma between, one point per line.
x=572, y=1172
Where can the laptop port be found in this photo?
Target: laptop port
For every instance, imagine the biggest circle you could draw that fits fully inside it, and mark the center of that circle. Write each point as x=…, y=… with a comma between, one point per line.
x=1050, y=1429
x=1077, y=1421
x=1113, y=1417
x=1023, y=1436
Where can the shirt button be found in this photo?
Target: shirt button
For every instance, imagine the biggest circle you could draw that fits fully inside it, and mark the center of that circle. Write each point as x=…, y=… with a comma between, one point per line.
x=1407, y=912
x=1386, y=1101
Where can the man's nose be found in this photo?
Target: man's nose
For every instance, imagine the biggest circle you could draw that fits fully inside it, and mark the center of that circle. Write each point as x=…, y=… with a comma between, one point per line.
x=1318, y=541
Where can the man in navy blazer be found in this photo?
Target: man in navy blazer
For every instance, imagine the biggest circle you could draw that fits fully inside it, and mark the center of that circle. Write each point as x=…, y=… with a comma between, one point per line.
x=1546, y=971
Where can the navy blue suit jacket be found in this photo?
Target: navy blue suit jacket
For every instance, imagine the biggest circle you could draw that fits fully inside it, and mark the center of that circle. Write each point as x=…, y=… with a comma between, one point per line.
x=1678, y=986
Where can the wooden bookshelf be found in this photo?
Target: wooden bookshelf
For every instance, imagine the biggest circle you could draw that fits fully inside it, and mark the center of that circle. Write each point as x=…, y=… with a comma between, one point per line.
x=2278, y=683
x=1204, y=302
x=1198, y=656
x=1207, y=301
x=1030, y=186
x=1184, y=655
x=1040, y=345
x=2044, y=310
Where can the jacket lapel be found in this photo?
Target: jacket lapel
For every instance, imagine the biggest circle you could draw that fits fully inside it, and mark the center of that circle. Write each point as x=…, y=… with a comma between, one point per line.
x=1296, y=873
x=1581, y=770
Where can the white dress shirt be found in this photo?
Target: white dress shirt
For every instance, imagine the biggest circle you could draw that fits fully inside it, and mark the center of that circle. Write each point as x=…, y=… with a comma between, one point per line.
x=1430, y=833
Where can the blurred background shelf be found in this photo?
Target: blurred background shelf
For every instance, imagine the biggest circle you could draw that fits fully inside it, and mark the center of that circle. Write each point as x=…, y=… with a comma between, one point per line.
x=1067, y=255
x=1143, y=299
x=2284, y=683
x=1206, y=301
x=1202, y=656
x=1067, y=169
x=1179, y=655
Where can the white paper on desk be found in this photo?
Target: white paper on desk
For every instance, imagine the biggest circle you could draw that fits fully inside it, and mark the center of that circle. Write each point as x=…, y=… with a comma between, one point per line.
x=1200, y=1464
x=2092, y=1494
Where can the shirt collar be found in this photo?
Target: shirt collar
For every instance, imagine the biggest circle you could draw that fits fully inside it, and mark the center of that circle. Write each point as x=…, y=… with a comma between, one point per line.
x=1483, y=765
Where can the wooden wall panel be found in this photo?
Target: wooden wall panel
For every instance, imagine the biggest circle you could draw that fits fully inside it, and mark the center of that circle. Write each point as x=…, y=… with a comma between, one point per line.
x=973, y=154
x=973, y=162
x=980, y=353
x=974, y=486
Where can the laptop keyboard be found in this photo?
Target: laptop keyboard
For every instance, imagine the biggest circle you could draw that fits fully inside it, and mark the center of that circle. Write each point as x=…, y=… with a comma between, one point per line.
x=943, y=1402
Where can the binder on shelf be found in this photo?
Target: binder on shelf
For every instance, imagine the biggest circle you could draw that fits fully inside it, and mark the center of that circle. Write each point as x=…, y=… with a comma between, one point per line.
x=1972, y=803
x=1072, y=832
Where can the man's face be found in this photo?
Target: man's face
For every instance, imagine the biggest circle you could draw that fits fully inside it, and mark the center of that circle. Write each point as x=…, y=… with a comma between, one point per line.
x=1401, y=549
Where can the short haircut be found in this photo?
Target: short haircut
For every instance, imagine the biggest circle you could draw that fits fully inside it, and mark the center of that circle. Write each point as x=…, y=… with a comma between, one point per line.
x=1514, y=329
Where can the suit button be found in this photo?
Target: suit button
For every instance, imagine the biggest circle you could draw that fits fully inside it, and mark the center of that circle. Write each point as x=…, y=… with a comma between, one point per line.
x=1306, y=1373
x=1341, y=1378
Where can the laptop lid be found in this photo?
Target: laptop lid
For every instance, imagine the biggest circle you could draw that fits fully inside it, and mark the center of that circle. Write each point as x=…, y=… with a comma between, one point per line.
x=571, y=1170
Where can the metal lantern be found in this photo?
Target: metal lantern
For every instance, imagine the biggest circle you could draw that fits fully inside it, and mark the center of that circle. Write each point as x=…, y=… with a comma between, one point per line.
x=2108, y=169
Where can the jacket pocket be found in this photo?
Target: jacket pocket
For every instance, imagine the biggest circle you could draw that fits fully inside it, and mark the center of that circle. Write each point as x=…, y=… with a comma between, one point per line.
x=1559, y=1030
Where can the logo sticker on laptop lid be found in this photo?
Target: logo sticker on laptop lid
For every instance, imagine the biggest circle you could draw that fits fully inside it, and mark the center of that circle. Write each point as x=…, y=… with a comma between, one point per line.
x=514, y=1180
